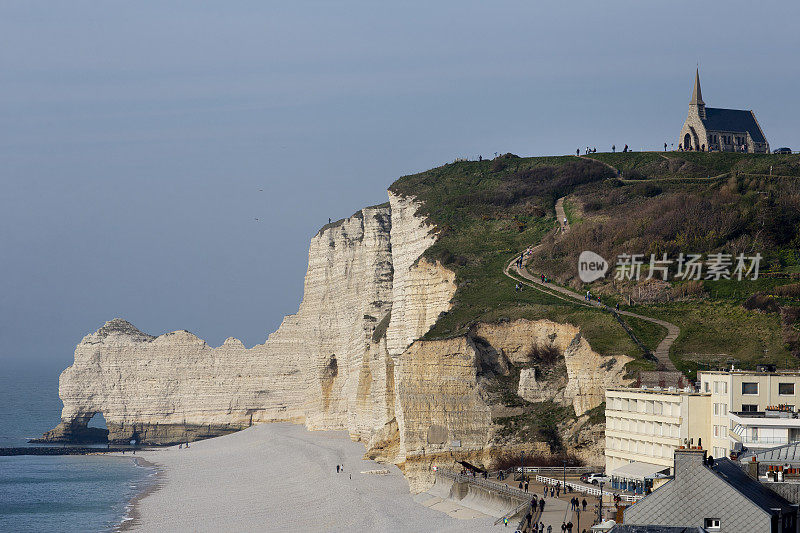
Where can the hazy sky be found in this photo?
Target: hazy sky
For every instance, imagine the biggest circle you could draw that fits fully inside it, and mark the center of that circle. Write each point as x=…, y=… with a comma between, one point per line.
x=135, y=136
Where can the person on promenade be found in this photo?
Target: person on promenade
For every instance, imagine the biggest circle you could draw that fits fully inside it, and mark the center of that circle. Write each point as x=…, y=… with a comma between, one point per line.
x=583, y=503
x=552, y=492
x=569, y=527
x=526, y=486
x=563, y=526
x=549, y=529
x=558, y=491
x=541, y=527
x=528, y=518
x=541, y=505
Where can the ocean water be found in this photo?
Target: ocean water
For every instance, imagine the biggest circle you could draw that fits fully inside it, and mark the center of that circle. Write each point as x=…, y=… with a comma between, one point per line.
x=71, y=493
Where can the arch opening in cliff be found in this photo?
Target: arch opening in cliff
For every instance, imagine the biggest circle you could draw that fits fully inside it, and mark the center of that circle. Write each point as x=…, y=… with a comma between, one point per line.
x=97, y=421
x=76, y=430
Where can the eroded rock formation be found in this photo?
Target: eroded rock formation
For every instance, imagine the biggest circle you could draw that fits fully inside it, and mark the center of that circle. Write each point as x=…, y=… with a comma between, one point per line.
x=350, y=358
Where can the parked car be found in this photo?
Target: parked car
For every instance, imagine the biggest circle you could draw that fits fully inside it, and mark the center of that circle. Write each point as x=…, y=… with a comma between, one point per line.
x=594, y=479
x=585, y=477
x=783, y=150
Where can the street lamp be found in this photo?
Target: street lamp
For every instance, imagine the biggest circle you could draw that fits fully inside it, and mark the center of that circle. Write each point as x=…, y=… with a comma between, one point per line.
x=600, y=507
x=522, y=468
x=565, y=476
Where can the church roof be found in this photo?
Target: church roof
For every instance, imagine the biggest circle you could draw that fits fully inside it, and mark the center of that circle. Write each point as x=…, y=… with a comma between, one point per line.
x=734, y=120
x=697, y=95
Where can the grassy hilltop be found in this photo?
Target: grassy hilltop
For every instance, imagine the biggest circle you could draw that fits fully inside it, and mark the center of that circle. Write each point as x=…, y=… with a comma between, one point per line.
x=646, y=202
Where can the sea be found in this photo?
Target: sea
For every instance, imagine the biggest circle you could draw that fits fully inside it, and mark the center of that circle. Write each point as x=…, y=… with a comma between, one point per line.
x=68, y=493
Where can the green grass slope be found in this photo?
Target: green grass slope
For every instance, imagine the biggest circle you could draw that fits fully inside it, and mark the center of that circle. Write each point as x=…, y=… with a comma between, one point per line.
x=486, y=212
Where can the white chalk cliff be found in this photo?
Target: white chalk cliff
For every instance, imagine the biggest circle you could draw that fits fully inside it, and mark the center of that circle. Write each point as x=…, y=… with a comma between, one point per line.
x=350, y=358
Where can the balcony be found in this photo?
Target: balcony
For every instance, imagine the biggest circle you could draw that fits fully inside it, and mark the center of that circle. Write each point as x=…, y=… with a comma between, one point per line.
x=759, y=442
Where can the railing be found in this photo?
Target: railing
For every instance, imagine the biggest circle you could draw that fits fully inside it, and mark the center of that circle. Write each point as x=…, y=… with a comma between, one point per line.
x=594, y=491
x=553, y=470
x=502, y=488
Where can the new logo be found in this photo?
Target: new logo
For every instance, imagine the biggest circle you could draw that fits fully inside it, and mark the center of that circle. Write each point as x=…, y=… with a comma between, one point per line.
x=591, y=266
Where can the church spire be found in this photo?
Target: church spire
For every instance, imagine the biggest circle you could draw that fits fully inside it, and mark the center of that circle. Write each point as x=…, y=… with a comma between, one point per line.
x=697, y=96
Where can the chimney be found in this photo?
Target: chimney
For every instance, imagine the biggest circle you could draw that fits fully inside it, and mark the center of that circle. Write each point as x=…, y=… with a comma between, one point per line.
x=752, y=468
x=689, y=459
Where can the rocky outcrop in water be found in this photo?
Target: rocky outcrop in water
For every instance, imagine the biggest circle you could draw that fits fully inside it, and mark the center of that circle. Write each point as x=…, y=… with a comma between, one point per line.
x=350, y=358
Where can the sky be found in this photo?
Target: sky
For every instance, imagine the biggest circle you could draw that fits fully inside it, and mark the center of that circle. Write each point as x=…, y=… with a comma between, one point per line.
x=139, y=141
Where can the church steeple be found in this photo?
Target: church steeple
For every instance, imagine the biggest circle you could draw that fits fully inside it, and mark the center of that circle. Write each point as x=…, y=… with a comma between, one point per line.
x=697, y=96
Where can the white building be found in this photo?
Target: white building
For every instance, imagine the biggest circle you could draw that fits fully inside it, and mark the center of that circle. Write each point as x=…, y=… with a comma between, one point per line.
x=647, y=425
x=745, y=409
x=733, y=411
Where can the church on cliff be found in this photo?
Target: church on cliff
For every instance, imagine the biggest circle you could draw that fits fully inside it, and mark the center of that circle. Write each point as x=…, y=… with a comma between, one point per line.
x=713, y=129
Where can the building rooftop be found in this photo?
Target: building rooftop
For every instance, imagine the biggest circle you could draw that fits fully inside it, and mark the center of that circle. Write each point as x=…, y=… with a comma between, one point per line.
x=751, y=489
x=788, y=453
x=656, y=390
x=733, y=120
x=750, y=372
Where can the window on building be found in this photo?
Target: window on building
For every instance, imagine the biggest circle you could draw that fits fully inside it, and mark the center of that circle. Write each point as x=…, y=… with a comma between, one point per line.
x=707, y=386
x=749, y=408
x=749, y=388
x=711, y=524
x=786, y=389
x=724, y=387
x=716, y=431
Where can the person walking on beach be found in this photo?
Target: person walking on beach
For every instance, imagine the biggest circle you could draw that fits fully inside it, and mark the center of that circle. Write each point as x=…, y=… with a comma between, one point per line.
x=505, y=521
x=337, y=469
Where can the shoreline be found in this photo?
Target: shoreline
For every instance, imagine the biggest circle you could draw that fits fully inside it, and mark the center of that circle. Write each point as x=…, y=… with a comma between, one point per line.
x=132, y=516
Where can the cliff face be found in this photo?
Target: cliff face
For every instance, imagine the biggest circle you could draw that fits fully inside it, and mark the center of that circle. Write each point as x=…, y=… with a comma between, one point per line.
x=350, y=358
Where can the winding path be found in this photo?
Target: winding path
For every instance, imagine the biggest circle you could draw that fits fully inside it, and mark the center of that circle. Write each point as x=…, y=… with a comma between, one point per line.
x=511, y=270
